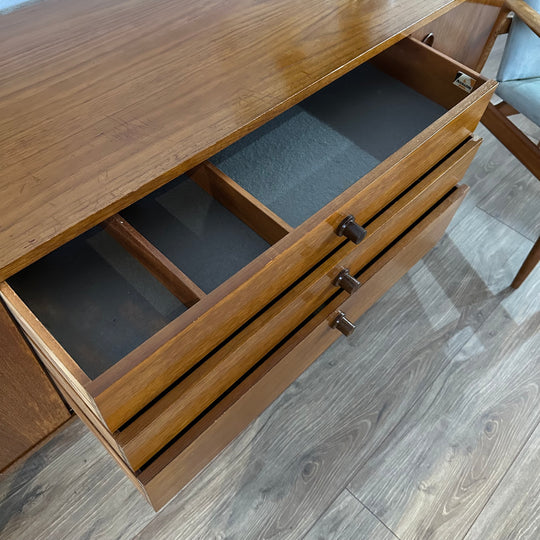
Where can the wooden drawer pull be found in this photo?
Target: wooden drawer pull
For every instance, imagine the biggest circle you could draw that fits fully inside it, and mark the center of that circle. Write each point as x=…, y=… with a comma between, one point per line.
x=351, y=230
x=347, y=282
x=343, y=324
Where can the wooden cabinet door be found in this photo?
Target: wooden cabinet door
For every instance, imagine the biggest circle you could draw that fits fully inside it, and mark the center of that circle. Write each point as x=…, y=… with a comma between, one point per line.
x=465, y=32
x=30, y=407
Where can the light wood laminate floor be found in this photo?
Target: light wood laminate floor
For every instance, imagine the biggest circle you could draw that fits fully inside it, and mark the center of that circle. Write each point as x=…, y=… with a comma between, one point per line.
x=424, y=425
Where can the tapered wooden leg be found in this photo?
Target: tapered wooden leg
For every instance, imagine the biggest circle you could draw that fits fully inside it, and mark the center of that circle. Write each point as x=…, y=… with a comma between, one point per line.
x=526, y=268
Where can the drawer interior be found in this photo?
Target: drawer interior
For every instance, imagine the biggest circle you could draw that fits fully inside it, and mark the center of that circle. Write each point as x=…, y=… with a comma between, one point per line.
x=96, y=299
x=195, y=232
x=101, y=303
x=306, y=157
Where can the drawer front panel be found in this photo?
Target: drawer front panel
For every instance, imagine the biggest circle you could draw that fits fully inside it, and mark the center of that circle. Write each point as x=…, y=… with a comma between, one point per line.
x=149, y=432
x=188, y=455
x=141, y=376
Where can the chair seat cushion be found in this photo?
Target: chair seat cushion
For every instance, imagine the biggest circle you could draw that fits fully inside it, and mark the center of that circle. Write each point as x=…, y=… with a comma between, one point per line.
x=521, y=57
x=523, y=95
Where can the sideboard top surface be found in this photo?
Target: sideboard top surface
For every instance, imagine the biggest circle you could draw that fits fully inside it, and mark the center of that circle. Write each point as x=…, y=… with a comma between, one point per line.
x=102, y=102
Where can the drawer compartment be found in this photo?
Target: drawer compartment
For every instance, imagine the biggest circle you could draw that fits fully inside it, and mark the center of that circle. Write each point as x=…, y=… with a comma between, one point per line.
x=308, y=156
x=100, y=303
x=195, y=232
x=300, y=161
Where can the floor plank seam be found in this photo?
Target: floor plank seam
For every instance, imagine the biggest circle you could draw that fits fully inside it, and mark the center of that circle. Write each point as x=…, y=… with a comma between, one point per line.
x=414, y=405
x=373, y=514
x=504, y=223
x=356, y=470
x=323, y=512
x=503, y=476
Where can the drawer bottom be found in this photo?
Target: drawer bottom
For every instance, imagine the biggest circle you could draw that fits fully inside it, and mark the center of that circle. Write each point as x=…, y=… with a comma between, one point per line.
x=189, y=453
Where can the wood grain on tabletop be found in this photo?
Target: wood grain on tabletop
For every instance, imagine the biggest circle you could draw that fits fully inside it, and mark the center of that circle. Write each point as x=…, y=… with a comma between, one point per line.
x=103, y=102
x=24, y=424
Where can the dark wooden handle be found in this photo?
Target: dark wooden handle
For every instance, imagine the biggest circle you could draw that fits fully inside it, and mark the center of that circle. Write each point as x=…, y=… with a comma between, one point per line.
x=351, y=230
x=347, y=282
x=343, y=324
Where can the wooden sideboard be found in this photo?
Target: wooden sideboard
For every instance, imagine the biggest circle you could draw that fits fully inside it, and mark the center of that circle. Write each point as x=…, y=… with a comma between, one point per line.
x=200, y=197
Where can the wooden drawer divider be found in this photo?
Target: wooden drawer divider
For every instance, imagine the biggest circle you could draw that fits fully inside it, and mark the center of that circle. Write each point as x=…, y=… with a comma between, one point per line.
x=154, y=260
x=240, y=202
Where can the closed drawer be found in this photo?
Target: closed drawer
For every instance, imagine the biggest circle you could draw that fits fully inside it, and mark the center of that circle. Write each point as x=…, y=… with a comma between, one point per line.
x=143, y=356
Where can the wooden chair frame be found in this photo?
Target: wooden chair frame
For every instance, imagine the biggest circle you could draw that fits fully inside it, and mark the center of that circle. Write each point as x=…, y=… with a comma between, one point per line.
x=496, y=120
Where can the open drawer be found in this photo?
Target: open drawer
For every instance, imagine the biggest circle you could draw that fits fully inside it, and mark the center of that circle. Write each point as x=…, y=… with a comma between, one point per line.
x=192, y=449
x=183, y=402
x=149, y=321
x=144, y=435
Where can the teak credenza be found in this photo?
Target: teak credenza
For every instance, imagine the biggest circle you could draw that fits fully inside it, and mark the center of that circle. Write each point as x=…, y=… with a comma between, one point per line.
x=197, y=203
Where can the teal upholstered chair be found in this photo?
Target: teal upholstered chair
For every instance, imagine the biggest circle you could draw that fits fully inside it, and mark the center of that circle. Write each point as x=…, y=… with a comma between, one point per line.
x=519, y=87
x=519, y=71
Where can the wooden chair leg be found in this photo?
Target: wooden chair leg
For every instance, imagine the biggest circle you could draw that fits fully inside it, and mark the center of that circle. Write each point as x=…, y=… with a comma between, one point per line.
x=526, y=268
x=506, y=109
x=517, y=142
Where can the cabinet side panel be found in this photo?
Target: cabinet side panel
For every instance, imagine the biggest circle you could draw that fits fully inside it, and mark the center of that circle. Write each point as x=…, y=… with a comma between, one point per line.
x=30, y=407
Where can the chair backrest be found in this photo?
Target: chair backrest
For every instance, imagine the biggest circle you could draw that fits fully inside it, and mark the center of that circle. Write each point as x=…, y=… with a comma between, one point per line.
x=521, y=57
